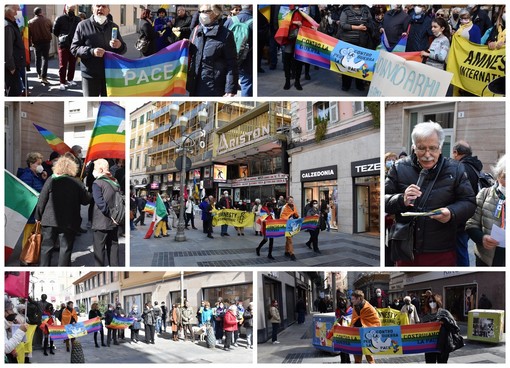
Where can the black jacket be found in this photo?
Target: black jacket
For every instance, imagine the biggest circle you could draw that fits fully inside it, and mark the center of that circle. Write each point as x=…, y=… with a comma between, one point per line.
x=14, y=47
x=394, y=24
x=419, y=33
x=472, y=166
x=88, y=36
x=351, y=17
x=214, y=62
x=65, y=25
x=147, y=31
x=184, y=24
x=451, y=190
x=104, y=198
x=60, y=202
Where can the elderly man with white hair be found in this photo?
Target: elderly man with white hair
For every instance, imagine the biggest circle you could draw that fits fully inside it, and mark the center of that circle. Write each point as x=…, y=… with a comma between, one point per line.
x=106, y=242
x=426, y=182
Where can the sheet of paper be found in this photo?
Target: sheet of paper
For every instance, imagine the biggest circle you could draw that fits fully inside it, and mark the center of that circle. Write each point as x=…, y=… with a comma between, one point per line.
x=498, y=234
x=413, y=214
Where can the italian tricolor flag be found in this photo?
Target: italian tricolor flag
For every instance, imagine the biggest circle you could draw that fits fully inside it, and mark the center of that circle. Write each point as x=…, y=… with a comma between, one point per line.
x=20, y=201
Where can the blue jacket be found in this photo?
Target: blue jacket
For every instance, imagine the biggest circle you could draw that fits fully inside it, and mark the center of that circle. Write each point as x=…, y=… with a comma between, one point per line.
x=419, y=33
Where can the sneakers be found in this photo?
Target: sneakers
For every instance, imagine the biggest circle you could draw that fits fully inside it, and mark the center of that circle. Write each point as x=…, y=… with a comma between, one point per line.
x=44, y=80
x=287, y=254
x=292, y=257
x=270, y=257
x=62, y=87
x=71, y=83
x=276, y=342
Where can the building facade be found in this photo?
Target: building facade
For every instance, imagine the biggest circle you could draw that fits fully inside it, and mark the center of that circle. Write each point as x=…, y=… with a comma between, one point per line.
x=461, y=120
x=97, y=287
x=338, y=164
x=79, y=119
x=139, y=144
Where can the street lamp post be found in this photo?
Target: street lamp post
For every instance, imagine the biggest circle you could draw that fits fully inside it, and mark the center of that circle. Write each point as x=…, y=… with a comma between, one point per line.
x=183, y=122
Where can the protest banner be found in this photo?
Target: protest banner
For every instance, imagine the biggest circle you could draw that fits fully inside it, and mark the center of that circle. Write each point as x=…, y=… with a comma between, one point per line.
x=161, y=74
x=120, y=323
x=233, y=218
x=327, y=52
x=474, y=66
x=74, y=330
x=387, y=340
x=390, y=317
x=396, y=76
x=280, y=227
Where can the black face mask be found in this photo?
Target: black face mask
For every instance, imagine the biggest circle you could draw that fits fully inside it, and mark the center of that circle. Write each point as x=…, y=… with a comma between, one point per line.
x=455, y=16
x=11, y=317
x=70, y=308
x=70, y=13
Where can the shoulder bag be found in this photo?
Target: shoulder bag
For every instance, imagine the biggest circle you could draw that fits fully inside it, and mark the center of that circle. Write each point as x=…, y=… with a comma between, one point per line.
x=31, y=252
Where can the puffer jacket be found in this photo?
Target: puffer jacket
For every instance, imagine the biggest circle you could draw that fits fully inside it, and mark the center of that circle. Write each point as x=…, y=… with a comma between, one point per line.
x=451, y=190
x=187, y=316
x=213, y=57
x=483, y=219
x=351, y=17
x=275, y=315
x=419, y=32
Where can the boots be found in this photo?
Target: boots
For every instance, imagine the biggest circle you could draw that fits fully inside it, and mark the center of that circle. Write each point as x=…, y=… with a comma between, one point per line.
x=287, y=84
x=270, y=255
x=297, y=84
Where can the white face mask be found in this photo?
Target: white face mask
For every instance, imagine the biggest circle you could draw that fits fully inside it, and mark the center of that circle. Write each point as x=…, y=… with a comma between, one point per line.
x=502, y=189
x=100, y=19
x=39, y=169
x=418, y=9
x=437, y=34
x=205, y=19
x=316, y=205
x=432, y=305
x=394, y=7
x=465, y=21
x=389, y=163
x=503, y=17
x=378, y=294
x=96, y=174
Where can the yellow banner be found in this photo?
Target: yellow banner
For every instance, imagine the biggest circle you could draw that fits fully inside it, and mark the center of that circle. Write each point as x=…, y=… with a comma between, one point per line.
x=233, y=218
x=25, y=347
x=474, y=66
x=392, y=317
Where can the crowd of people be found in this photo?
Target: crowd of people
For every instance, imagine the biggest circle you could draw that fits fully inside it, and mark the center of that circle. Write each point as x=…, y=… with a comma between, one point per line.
x=186, y=323
x=444, y=213
x=221, y=55
x=429, y=29
x=62, y=193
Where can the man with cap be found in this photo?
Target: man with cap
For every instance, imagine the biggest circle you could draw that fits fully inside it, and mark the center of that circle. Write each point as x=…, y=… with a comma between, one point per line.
x=224, y=203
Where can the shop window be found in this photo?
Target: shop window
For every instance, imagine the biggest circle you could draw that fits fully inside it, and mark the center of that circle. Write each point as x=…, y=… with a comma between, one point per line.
x=358, y=107
x=229, y=293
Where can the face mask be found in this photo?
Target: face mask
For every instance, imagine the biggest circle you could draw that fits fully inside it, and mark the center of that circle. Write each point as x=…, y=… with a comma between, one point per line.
x=95, y=174
x=408, y=302
x=11, y=317
x=111, y=308
x=378, y=294
x=432, y=305
x=135, y=309
x=389, y=164
x=205, y=19
x=503, y=17
x=101, y=19
x=395, y=7
x=464, y=21
x=39, y=169
x=316, y=205
x=397, y=303
x=455, y=16
x=70, y=13
x=418, y=9
x=437, y=34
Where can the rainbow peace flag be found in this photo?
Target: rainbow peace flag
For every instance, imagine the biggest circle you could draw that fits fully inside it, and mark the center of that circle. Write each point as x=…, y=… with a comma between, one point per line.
x=120, y=323
x=265, y=10
x=55, y=142
x=310, y=223
x=75, y=330
x=93, y=325
x=23, y=28
x=282, y=34
x=385, y=45
x=275, y=228
x=150, y=207
x=387, y=340
x=108, y=138
x=161, y=74
x=58, y=332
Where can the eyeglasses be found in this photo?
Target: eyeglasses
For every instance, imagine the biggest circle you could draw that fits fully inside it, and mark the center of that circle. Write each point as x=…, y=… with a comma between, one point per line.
x=205, y=11
x=432, y=149
x=440, y=15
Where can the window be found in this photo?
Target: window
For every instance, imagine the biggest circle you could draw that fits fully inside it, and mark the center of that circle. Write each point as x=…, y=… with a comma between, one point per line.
x=132, y=143
x=145, y=160
x=148, y=116
x=243, y=292
x=358, y=107
x=79, y=131
x=142, y=119
x=133, y=124
x=309, y=115
x=333, y=112
x=126, y=275
x=147, y=297
x=137, y=162
x=140, y=140
x=123, y=15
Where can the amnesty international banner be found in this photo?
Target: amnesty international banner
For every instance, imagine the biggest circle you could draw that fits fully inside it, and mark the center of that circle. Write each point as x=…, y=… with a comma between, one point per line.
x=233, y=218
x=474, y=66
x=161, y=74
x=396, y=76
x=391, y=317
x=387, y=340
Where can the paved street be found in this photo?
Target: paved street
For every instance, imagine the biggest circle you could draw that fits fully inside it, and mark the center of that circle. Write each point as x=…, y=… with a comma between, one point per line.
x=163, y=351
x=37, y=89
x=337, y=249
x=82, y=251
x=296, y=347
x=323, y=83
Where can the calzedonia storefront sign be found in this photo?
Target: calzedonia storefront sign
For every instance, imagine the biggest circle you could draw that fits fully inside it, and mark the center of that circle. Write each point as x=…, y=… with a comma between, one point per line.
x=370, y=167
x=320, y=174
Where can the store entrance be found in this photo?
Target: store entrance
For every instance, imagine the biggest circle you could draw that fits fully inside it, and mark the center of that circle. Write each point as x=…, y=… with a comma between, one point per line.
x=366, y=205
x=460, y=299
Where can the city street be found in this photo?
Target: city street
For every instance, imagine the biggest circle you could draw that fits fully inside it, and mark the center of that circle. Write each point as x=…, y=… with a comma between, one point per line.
x=163, y=351
x=37, y=89
x=323, y=83
x=82, y=251
x=296, y=347
x=337, y=249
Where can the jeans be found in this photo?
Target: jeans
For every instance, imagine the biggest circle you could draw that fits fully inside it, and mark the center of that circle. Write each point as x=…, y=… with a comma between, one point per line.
x=41, y=58
x=149, y=333
x=224, y=229
x=246, y=82
x=274, y=336
x=158, y=324
x=249, y=334
x=462, y=248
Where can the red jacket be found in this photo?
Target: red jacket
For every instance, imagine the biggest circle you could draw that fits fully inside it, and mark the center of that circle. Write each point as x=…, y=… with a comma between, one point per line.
x=230, y=321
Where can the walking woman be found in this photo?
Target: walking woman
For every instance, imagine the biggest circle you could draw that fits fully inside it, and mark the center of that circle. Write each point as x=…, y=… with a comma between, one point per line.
x=314, y=234
x=93, y=313
x=269, y=209
x=48, y=313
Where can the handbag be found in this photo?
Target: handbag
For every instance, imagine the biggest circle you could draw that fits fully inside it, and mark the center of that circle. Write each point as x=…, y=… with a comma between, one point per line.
x=31, y=252
x=401, y=235
x=455, y=341
x=142, y=44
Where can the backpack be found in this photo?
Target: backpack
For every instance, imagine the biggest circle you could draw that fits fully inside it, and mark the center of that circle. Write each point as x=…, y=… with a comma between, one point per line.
x=485, y=180
x=241, y=31
x=118, y=210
